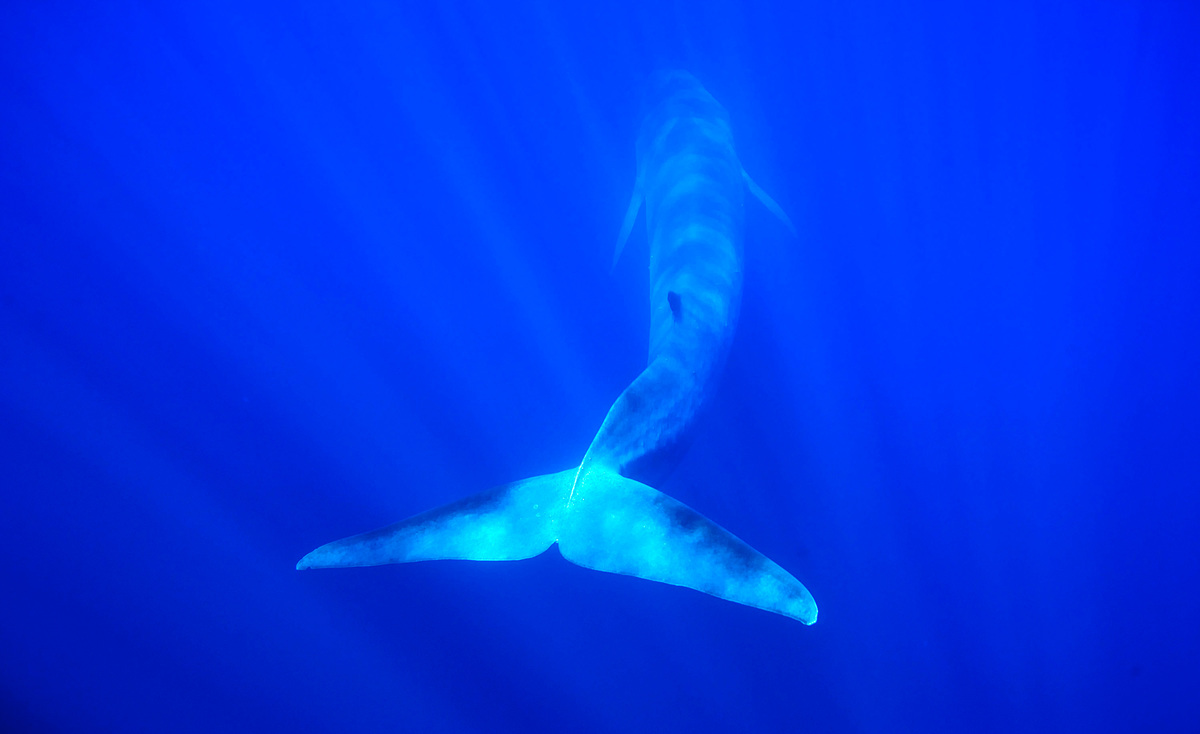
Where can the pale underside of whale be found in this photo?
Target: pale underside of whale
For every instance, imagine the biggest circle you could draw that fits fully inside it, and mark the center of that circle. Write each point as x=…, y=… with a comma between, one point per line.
x=600, y=515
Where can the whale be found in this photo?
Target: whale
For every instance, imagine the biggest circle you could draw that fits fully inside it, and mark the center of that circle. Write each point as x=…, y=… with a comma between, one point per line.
x=603, y=513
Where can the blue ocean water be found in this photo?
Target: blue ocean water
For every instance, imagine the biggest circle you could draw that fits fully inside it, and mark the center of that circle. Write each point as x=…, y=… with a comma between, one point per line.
x=273, y=274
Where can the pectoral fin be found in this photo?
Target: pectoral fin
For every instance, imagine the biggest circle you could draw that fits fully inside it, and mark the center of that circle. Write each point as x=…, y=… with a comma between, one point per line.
x=635, y=203
x=621, y=526
x=767, y=201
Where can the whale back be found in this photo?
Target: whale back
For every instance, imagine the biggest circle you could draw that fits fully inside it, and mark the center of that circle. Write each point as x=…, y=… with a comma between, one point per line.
x=692, y=184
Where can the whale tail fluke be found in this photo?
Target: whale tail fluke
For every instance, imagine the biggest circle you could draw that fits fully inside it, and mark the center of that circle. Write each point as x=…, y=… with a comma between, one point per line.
x=601, y=520
x=506, y=523
x=622, y=526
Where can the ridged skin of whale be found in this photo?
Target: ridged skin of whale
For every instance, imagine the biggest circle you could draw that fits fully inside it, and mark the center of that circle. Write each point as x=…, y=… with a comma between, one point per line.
x=691, y=183
x=602, y=513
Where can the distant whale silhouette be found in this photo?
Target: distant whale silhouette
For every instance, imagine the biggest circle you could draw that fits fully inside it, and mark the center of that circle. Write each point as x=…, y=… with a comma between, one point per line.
x=599, y=513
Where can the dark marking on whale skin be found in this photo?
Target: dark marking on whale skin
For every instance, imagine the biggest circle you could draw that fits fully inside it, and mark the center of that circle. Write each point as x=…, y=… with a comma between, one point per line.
x=676, y=306
x=739, y=557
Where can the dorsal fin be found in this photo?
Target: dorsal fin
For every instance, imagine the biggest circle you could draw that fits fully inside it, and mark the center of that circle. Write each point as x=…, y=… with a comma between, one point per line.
x=767, y=201
x=635, y=203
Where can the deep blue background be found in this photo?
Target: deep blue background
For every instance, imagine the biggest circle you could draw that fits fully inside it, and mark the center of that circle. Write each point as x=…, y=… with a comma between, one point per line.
x=273, y=275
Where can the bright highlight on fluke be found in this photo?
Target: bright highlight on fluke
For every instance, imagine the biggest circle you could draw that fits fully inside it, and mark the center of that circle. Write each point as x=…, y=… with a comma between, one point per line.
x=599, y=513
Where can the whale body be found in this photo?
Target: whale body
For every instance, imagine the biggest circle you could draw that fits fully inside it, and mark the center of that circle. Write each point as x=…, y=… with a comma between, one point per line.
x=603, y=513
